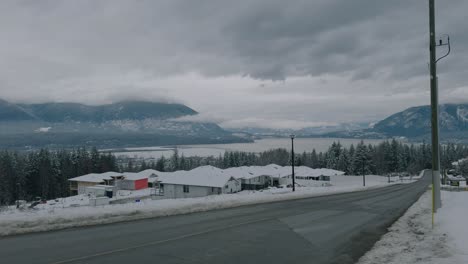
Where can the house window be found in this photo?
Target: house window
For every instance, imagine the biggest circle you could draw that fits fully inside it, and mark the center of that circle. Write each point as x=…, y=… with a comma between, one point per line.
x=225, y=187
x=186, y=189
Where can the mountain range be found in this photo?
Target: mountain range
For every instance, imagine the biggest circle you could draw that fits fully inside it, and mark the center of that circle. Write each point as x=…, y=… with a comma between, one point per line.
x=74, y=112
x=128, y=123
x=139, y=123
x=415, y=124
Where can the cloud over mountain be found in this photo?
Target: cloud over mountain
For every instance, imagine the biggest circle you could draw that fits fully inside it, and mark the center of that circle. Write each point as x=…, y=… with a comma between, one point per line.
x=247, y=55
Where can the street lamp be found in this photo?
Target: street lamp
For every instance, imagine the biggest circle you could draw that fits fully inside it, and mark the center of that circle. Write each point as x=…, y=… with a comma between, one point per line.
x=292, y=162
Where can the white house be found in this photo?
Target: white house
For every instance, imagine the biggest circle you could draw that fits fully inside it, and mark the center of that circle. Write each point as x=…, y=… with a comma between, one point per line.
x=78, y=184
x=456, y=180
x=132, y=182
x=253, y=177
x=305, y=175
x=202, y=181
x=100, y=191
x=124, y=181
x=260, y=177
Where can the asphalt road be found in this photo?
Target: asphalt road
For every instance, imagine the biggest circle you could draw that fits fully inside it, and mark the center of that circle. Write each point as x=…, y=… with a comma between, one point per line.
x=330, y=229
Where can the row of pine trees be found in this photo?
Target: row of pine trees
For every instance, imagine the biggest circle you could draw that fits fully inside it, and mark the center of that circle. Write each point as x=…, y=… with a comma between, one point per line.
x=387, y=157
x=45, y=173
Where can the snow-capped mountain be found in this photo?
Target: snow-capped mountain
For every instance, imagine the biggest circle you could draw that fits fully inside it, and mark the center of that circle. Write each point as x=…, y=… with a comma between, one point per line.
x=415, y=124
x=416, y=121
x=119, y=124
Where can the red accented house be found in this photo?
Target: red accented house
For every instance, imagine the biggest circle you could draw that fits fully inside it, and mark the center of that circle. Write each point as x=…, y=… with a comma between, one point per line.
x=132, y=181
x=141, y=184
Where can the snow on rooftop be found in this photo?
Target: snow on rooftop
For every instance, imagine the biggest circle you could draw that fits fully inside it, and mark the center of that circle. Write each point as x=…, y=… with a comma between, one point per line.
x=202, y=176
x=97, y=177
x=149, y=173
x=456, y=163
x=456, y=178
x=245, y=172
x=134, y=176
x=280, y=171
x=146, y=174
x=211, y=176
x=306, y=171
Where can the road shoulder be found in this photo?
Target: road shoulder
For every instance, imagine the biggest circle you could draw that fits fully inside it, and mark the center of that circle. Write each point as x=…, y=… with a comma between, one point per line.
x=412, y=239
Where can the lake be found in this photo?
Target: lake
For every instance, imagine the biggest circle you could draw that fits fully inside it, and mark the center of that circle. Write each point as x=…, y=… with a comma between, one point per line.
x=300, y=145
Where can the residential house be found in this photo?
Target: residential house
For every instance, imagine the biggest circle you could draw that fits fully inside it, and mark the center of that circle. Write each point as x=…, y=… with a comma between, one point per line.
x=252, y=178
x=199, y=182
x=78, y=184
x=459, y=180
x=132, y=181
x=305, y=175
x=100, y=191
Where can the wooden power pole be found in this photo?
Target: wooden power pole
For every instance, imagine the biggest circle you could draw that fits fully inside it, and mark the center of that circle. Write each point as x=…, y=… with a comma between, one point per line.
x=436, y=200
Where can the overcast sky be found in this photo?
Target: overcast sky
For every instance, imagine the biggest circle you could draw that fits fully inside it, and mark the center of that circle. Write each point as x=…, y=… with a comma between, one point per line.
x=267, y=63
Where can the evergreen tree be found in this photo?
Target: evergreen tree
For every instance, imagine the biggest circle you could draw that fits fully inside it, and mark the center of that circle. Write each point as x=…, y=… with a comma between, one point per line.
x=362, y=160
x=314, y=159
x=161, y=164
x=95, y=160
x=182, y=163
x=343, y=163
x=174, y=161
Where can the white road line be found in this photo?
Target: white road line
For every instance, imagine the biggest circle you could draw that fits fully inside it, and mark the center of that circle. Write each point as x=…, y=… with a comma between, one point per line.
x=104, y=253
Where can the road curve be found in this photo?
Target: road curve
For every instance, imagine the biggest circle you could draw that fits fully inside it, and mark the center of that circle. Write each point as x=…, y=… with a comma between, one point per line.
x=328, y=229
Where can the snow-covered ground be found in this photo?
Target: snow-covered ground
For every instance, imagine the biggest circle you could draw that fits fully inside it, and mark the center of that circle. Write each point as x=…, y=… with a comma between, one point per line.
x=61, y=214
x=83, y=200
x=412, y=240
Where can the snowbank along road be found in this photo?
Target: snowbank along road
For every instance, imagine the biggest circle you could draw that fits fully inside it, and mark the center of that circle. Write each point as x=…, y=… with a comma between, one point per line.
x=329, y=229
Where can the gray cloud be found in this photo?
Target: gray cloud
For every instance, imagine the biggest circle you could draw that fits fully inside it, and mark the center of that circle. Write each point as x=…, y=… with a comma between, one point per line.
x=355, y=60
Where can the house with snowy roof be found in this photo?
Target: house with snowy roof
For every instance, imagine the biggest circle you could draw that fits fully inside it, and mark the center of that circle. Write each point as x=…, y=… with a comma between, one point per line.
x=252, y=177
x=458, y=180
x=199, y=182
x=79, y=184
x=307, y=174
x=132, y=181
x=122, y=181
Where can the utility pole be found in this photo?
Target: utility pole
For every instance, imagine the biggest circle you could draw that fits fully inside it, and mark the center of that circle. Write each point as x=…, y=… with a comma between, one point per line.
x=292, y=163
x=18, y=191
x=436, y=201
x=363, y=175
